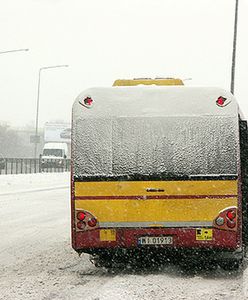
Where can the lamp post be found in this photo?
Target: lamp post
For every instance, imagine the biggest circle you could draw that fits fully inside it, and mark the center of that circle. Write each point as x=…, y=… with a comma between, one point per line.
x=234, y=46
x=36, y=141
x=15, y=50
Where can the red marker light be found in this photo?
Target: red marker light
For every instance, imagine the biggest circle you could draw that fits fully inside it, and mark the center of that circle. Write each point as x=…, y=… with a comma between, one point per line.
x=81, y=216
x=88, y=101
x=221, y=101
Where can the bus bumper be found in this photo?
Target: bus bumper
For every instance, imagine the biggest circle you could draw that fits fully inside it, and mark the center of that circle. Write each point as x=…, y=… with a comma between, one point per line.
x=182, y=238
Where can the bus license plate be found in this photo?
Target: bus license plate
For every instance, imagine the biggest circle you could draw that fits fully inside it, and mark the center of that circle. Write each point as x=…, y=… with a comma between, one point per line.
x=155, y=240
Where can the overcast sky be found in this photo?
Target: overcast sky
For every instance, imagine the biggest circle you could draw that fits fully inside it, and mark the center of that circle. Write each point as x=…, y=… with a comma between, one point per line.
x=105, y=40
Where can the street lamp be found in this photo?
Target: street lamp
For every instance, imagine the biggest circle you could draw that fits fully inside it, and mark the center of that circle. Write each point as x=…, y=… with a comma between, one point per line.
x=16, y=50
x=36, y=139
x=234, y=46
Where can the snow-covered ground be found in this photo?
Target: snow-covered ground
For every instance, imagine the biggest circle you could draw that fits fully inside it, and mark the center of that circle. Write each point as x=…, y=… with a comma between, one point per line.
x=10, y=184
x=37, y=262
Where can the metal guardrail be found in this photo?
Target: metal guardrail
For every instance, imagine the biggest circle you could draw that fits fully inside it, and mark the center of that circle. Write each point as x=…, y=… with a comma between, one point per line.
x=31, y=165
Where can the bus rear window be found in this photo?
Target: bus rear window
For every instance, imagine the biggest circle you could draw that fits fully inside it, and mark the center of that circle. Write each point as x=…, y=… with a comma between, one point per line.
x=162, y=145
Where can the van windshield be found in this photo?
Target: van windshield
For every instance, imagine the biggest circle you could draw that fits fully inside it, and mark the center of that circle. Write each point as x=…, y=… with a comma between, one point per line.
x=52, y=152
x=198, y=145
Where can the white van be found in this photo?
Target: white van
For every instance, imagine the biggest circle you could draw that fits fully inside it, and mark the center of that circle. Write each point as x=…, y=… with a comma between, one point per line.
x=53, y=155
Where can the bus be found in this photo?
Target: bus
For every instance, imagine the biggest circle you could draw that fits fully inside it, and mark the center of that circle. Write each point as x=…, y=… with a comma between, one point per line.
x=158, y=166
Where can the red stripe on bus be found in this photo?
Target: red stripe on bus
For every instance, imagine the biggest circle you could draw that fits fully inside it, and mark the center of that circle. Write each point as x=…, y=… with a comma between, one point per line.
x=139, y=197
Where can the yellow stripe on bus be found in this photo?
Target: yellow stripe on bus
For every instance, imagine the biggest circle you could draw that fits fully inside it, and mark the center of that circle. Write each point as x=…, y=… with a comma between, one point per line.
x=155, y=210
x=130, y=188
x=179, y=201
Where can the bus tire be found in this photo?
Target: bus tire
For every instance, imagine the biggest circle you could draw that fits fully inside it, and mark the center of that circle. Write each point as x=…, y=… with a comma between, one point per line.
x=230, y=264
x=102, y=261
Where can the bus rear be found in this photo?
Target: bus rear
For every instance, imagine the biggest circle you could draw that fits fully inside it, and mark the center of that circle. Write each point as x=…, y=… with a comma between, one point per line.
x=157, y=168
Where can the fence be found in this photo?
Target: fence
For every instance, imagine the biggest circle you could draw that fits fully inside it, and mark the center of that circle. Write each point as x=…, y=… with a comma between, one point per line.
x=31, y=165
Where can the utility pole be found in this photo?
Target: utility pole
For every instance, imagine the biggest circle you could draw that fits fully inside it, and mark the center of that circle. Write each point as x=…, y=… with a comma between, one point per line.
x=36, y=137
x=234, y=46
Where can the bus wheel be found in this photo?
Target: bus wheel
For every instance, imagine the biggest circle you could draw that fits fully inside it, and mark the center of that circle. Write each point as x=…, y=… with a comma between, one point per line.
x=230, y=264
x=102, y=260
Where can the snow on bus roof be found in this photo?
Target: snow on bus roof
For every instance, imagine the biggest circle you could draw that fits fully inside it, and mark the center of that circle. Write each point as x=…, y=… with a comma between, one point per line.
x=155, y=101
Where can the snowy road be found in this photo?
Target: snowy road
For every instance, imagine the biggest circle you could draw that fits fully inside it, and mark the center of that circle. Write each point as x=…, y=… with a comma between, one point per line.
x=37, y=262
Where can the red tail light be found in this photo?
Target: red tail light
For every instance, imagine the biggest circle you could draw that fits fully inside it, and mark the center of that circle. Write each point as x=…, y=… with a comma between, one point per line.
x=231, y=215
x=81, y=215
x=81, y=225
x=227, y=219
x=231, y=224
x=85, y=221
x=92, y=222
